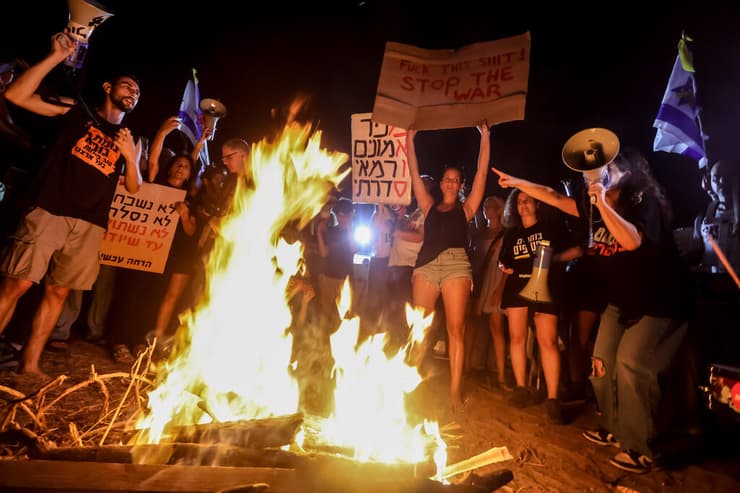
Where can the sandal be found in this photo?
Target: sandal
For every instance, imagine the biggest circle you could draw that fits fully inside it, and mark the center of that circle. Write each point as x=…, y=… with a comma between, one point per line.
x=121, y=354
x=57, y=346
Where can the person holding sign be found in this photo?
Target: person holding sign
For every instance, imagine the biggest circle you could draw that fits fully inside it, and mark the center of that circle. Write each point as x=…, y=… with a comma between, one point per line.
x=59, y=238
x=144, y=300
x=442, y=266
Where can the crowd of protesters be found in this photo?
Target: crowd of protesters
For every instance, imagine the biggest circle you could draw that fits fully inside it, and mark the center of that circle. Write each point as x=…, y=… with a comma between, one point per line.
x=453, y=252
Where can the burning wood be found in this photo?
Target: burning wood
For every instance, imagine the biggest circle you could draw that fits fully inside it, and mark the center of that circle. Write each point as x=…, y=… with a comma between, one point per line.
x=192, y=454
x=256, y=433
x=491, y=456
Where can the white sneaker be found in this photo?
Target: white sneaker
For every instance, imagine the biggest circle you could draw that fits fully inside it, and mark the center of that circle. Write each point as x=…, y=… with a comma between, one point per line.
x=632, y=461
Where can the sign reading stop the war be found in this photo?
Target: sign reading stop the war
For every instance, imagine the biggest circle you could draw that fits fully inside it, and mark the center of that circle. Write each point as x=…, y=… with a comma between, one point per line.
x=438, y=89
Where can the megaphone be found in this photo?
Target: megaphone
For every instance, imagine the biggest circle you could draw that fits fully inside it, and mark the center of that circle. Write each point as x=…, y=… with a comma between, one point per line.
x=590, y=151
x=84, y=17
x=212, y=110
x=536, y=289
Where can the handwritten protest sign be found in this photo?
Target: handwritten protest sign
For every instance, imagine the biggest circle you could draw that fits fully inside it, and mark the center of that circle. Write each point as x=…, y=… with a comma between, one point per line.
x=436, y=89
x=379, y=167
x=141, y=227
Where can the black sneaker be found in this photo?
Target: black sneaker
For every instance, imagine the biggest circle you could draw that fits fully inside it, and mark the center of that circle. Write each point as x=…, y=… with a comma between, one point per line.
x=632, y=461
x=554, y=412
x=521, y=397
x=601, y=437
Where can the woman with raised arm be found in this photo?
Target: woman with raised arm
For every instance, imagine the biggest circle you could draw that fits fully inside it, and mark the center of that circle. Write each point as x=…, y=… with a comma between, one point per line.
x=442, y=265
x=637, y=264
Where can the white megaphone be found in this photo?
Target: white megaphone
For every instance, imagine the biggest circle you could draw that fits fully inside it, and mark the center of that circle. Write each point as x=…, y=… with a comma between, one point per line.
x=590, y=151
x=212, y=109
x=84, y=17
x=536, y=289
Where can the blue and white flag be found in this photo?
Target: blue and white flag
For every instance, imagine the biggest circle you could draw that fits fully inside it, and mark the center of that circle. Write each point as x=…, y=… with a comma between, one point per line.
x=678, y=126
x=191, y=117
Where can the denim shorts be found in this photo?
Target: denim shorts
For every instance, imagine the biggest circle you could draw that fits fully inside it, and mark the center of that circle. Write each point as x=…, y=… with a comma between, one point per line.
x=63, y=248
x=452, y=263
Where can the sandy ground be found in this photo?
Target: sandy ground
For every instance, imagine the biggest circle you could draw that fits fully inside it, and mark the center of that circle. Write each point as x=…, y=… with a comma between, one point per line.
x=547, y=458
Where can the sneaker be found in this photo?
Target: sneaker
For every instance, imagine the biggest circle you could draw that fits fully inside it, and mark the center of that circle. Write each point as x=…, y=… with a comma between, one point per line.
x=632, y=461
x=521, y=398
x=601, y=437
x=554, y=412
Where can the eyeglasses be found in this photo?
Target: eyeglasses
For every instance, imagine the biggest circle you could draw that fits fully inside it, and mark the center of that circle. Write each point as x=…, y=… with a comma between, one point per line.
x=229, y=156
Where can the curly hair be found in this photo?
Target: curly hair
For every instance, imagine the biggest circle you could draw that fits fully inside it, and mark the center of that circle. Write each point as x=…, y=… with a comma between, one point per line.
x=638, y=181
x=511, y=217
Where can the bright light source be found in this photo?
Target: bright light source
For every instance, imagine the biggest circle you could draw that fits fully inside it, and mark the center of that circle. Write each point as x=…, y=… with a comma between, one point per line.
x=363, y=235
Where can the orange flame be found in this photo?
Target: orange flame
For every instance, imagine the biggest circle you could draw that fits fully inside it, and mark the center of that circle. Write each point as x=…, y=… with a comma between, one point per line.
x=233, y=356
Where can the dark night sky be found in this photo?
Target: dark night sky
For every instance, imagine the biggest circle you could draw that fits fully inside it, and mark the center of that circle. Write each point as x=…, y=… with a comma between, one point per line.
x=606, y=65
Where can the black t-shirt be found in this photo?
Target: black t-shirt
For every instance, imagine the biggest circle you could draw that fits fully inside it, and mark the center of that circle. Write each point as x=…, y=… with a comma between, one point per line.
x=80, y=172
x=520, y=245
x=651, y=280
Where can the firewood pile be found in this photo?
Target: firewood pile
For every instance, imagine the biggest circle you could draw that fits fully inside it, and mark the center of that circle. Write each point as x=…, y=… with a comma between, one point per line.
x=251, y=455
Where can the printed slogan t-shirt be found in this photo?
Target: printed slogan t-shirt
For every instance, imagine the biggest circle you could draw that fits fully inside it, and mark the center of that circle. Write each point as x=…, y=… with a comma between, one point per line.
x=651, y=280
x=81, y=170
x=518, y=250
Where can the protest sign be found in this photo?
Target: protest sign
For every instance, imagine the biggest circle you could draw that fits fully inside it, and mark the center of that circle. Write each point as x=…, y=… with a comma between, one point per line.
x=141, y=227
x=379, y=168
x=437, y=89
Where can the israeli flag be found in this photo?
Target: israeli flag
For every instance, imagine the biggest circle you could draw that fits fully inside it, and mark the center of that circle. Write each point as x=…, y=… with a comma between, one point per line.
x=677, y=124
x=191, y=118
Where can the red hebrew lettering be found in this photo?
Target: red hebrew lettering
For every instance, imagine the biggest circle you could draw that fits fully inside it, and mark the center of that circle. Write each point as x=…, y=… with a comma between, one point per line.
x=400, y=187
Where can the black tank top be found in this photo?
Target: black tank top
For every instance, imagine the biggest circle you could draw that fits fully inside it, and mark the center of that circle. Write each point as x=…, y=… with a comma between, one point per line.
x=442, y=230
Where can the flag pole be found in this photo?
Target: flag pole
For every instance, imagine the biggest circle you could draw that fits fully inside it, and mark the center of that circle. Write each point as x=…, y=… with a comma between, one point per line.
x=687, y=61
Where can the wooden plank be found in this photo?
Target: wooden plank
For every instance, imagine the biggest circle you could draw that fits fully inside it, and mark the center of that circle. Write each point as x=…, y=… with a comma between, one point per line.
x=191, y=454
x=188, y=454
x=88, y=477
x=40, y=476
x=255, y=433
